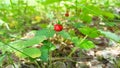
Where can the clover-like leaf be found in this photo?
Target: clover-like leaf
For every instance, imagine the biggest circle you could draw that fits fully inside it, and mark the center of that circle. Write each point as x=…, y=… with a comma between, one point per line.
x=91, y=32
x=64, y=34
x=85, y=44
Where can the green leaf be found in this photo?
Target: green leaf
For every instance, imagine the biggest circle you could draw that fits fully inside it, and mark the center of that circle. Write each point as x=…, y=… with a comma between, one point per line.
x=44, y=53
x=32, y=52
x=96, y=10
x=49, y=45
x=45, y=49
x=86, y=44
x=72, y=33
x=111, y=24
x=64, y=34
x=3, y=47
x=111, y=35
x=78, y=25
x=2, y=58
x=91, y=32
x=86, y=18
x=108, y=14
x=47, y=2
x=19, y=44
x=45, y=32
x=75, y=40
x=52, y=48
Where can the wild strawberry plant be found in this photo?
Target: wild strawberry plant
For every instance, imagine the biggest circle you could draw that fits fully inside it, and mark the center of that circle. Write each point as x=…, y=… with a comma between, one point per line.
x=83, y=24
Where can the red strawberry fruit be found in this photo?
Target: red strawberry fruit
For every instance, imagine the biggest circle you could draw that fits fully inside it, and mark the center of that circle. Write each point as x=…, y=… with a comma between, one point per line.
x=58, y=27
x=67, y=14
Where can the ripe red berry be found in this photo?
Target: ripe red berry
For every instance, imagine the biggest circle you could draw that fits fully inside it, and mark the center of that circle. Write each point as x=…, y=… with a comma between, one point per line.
x=67, y=14
x=58, y=27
